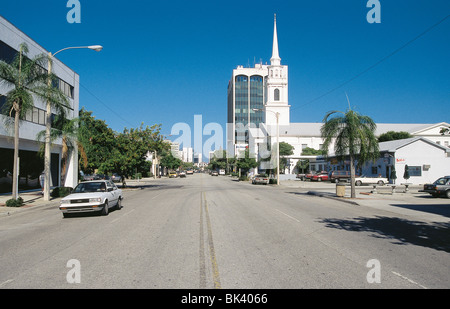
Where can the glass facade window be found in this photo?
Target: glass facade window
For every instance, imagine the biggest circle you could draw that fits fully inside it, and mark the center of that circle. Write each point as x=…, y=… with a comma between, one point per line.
x=241, y=105
x=7, y=54
x=256, y=99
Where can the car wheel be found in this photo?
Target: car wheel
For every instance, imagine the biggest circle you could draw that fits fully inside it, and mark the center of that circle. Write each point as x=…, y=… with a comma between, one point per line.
x=105, y=210
x=119, y=204
x=447, y=193
x=358, y=183
x=319, y=179
x=380, y=183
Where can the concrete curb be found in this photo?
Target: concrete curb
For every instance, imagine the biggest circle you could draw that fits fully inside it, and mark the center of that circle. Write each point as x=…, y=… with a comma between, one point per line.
x=333, y=197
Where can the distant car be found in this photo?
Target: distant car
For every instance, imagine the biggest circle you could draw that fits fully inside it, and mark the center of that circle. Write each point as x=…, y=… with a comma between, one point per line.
x=189, y=172
x=338, y=176
x=181, y=174
x=173, y=175
x=214, y=173
x=301, y=176
x=320, y=177
x=440, y=187
x=364, y=180
x=92, y=196
x=222, y=172
x=88, y=177
x=116, y=177
x=260, y=179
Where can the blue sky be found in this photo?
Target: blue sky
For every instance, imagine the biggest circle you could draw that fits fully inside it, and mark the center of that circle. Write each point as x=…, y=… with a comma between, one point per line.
x=166, y=61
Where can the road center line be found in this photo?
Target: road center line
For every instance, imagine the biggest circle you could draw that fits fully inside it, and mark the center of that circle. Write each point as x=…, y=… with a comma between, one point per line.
x=212, y=254
x=287, y=215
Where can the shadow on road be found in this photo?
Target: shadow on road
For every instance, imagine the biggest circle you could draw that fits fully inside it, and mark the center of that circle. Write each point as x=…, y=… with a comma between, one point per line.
x=400, y=231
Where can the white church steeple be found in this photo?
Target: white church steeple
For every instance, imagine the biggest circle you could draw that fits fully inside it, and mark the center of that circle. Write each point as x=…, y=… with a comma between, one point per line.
x=277, y=87
x=275, y=60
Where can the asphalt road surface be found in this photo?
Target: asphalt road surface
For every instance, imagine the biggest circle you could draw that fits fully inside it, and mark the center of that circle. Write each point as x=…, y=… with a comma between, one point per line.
x=205, y=232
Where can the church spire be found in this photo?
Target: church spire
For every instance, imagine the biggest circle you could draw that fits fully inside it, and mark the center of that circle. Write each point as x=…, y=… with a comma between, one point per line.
x=275, y=60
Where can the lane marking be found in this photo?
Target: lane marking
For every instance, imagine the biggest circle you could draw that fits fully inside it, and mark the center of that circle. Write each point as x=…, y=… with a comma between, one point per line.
x=6, y=282
x=212, y=253
x=409, y=280
x=288, y=215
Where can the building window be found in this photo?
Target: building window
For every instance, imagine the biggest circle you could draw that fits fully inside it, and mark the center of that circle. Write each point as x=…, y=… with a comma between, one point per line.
x=415, y=171
x=276, y=95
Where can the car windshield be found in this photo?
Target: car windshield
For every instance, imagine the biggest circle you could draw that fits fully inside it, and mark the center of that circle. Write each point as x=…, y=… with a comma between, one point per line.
x=90, y=187
x=441, y=181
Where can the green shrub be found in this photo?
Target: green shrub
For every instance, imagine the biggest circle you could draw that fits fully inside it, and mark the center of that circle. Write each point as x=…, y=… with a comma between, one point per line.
x=61, y=191
x=243, y=178
x=14, y=203
x=273, y=181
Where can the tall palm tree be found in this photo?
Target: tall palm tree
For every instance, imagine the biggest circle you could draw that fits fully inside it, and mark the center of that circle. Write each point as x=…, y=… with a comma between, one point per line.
x=27, y=78
x=23, y=76
x=354, y=137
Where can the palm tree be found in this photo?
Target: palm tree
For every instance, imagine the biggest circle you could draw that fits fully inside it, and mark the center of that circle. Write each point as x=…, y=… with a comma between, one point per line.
x=354, y=137
x=68, y=131
x=27, y=78
x=24, y=76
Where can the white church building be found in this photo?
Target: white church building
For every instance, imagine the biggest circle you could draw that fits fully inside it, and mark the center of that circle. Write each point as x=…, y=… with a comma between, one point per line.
x=258, y=109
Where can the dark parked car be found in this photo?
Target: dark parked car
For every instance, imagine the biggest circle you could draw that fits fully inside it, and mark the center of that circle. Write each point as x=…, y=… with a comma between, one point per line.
x=440, y=187
x=116, y=177
x=338, y=176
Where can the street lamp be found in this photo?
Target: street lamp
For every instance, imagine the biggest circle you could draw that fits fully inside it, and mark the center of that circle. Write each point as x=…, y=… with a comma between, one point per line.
x=49, y=113
x=277, y=115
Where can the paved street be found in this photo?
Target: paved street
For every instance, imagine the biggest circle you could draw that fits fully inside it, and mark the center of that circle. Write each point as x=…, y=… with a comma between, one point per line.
x=213, y=232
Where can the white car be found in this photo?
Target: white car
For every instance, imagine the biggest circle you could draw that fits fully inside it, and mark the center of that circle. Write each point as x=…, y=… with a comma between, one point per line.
x=92, y=196
x=363, y=180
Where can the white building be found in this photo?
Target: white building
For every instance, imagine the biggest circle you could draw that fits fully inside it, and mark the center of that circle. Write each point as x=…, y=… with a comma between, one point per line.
x=426, y=160
x=31, y=165
x=187, y=154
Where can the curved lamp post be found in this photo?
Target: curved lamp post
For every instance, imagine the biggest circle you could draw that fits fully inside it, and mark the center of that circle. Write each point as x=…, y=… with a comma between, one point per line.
x=49, y=114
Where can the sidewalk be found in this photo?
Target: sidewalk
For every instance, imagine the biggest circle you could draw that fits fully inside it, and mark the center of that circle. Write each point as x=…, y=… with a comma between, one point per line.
x=410, y=203
x=34, y=199
x=30, y=199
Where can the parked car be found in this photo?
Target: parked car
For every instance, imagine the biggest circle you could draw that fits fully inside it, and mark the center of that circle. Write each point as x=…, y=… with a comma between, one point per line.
x=301, y=176
x=189, y=172
x=181, y=174
x=116, y=177
x=173, y=174
x=322, y=176
x=440, y=187
x=364, y=180
x=221, y=172
x=92, y=196
x=214, y=173
x=338, y=176
x=260, y=179
x=88, y=177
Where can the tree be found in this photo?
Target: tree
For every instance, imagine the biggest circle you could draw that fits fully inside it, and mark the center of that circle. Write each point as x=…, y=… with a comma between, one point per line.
x=354, y=137
x=444, y=131
x=68, y=131
x=27, y=79
x=406, y=173
x=286, y=149
x=392, y=135
x=246, y=162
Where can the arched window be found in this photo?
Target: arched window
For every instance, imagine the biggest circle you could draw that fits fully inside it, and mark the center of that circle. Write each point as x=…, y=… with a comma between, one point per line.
x=276, y=95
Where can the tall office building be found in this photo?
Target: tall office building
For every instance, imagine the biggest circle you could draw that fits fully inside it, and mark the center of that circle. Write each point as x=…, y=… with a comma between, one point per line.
x=255, y=96
x=31, y=165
